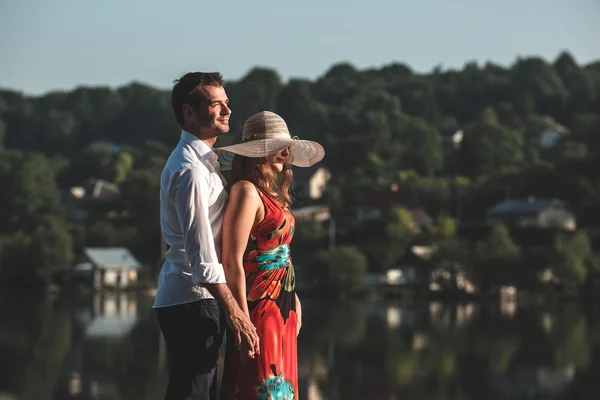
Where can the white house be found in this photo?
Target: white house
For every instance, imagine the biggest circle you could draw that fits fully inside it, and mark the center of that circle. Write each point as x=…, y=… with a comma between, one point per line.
x=113, y=267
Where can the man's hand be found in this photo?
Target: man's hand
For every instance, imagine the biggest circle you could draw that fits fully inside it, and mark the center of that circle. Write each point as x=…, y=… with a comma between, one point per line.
x=245, y=352
x=244, y=333
x=238, y=320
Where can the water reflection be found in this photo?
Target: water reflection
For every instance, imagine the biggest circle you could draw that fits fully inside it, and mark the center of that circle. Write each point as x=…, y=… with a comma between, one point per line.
x=112, y=316
x=109, y=347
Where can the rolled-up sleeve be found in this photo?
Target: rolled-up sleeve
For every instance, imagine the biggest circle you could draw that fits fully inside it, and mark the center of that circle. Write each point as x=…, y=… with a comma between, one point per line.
x=191, y=193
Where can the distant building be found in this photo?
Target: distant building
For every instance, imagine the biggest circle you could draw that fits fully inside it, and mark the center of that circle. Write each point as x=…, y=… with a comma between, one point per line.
x=79, y=199
x=113, y=267
x=551, y=134
x=412, y=269
x=319, y=213
x=310, y=183
x=532, y=212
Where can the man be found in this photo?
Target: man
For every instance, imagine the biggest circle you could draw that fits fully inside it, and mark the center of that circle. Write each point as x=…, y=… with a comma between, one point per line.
x=193, y=302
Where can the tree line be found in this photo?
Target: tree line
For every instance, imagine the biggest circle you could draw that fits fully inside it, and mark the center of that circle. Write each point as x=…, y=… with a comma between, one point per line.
x=380, y=127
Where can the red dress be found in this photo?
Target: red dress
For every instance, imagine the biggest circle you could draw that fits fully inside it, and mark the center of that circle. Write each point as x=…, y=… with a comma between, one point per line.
x=270, y=291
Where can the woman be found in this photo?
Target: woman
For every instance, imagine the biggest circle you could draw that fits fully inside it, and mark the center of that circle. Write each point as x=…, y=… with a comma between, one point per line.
x=257, y=230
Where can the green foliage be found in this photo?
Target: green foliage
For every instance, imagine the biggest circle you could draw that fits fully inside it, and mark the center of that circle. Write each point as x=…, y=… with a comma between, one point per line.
x=497, y=258
x=574, y=258
x=445, y=228
x=33, y=232
x=489, y=147
x=499, y=246
x=340, y=269
x=28, y=187
x=308, y=231
x=399, y=231
x=2, y=133
x=379, y=127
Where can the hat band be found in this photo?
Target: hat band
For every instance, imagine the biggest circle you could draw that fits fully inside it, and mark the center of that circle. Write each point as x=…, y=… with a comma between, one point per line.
x=252, y=138
x=257, y=137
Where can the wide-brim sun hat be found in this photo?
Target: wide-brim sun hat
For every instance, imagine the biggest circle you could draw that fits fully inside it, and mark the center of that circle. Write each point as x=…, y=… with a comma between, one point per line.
x=265, y=134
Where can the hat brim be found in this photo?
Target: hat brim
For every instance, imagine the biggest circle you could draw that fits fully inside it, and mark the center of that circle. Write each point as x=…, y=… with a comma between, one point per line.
x=305, y=153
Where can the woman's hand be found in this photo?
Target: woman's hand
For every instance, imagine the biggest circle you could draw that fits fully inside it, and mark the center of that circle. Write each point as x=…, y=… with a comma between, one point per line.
x=246, y=352
x=298, y=315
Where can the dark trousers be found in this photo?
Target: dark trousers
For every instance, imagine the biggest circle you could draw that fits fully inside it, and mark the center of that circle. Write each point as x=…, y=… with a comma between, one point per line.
x=193, y=333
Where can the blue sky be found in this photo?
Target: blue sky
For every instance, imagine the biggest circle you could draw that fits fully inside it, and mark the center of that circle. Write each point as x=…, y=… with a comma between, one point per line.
x=61, y=44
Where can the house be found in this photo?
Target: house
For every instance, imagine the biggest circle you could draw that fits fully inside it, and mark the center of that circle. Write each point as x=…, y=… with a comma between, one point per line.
x=113, y=267
x=532, y=212
x=551, y=134
x=412, y=269
x=96, y=189
x=79, y=199
x=310, y=183
x=538, y=382
x=450, y=277
x=319, y=213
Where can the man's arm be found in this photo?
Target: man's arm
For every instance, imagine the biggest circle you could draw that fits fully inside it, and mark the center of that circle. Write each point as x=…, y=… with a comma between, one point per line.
x=239, y=321
x=191, y=191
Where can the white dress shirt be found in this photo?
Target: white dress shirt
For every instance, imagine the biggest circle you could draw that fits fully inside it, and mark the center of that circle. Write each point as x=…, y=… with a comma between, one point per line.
x=192, y=203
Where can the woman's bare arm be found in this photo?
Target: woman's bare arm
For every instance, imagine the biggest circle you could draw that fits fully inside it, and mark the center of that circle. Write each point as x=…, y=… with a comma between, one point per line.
x=240, y=216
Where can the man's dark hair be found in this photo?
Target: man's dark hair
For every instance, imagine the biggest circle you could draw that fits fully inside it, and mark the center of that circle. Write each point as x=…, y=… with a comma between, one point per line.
x=185, y=92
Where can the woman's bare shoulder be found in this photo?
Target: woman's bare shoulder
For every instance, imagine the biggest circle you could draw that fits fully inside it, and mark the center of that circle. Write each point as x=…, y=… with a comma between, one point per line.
x=243, y=189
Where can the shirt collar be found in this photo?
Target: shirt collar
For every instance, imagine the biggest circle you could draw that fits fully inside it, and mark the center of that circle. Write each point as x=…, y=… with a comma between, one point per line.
x=203, y=150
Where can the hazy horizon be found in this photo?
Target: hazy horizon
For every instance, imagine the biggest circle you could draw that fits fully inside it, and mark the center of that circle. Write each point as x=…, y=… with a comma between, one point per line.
x=64, y=44
x=286, y=79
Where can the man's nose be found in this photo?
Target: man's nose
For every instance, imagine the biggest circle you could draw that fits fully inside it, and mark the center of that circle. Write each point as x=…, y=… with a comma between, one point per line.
x=225, y=110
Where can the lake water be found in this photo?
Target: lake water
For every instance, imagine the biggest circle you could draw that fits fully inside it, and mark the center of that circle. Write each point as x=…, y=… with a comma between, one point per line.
x=109, y=347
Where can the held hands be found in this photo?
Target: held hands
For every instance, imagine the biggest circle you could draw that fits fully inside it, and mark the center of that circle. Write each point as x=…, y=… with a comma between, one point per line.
x=246, y=352
x=245, y=335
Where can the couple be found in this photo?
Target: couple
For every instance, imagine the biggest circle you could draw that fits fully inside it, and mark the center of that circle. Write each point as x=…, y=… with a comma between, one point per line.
x=228, y=265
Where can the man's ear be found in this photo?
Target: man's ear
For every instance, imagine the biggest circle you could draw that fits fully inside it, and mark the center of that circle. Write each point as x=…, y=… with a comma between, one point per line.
x=188, y=113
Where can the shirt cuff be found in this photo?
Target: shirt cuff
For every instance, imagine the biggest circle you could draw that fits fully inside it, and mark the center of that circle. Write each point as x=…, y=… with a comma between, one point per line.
x=211, y=273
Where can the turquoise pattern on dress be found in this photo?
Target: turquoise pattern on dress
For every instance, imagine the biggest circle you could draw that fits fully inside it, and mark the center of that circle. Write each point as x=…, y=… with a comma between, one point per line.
x=276, y=388
x=275, y=258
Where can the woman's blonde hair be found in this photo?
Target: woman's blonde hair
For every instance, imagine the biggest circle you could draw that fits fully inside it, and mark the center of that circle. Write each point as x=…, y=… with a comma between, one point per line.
x=259, y=172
